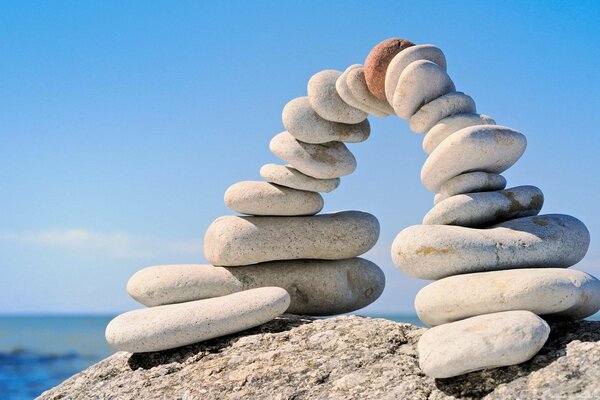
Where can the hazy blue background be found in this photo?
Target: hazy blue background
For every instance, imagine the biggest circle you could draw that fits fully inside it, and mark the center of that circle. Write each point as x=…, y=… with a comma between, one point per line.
x=122, y=124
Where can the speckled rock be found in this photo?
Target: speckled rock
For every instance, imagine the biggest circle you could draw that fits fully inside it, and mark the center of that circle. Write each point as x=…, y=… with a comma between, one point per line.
x=451, y=124
x=316, y=287
x=326, y=101
x=436, y=110
x=405, y=57
x=321, y=161
x=357, y=84
x=167, y=327
x=286, y=175
x=263, y=198
x=485, y=341
x=346, y=94
x=302, y=122
x=485, y=208
x=470, y=182
x=544, y=291
x=377, y=62
x=420, y=82
x=233, y=241
x=487, y=148
x=438, y=251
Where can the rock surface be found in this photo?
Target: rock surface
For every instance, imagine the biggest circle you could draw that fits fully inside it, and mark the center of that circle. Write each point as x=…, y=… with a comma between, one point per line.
x=451, y=124
x=377, y=62
x=325, y=100
x=436, y=110
x=288, y=176
x=357, y=84
x=470, y=182
x=337, y=358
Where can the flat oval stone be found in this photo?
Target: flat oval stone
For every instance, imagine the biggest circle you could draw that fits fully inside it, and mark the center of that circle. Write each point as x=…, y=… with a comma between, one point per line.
x=346, y=94
x=487, y=148
x=451, y=124
x=326, y=101
x=470, y=182
x=357, y=84
x=565, y=293
x=440, y=108
x=232, y=241
x=166, y=327
x=485, y=341
x=421, y=82
x=377, y=62
x=485, y=208
x=321, y=161
x=286, y=175
x=316, y=287
x=264, y=198
x=306, y=125
x=438, y=251
x=404, y=58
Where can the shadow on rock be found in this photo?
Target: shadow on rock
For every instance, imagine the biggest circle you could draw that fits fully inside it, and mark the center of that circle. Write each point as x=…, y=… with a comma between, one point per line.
x=198, y=350
x=476, y=385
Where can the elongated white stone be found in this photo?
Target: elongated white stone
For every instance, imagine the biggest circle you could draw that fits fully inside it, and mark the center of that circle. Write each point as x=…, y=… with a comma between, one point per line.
x=438, y=251
x=175, y=325
x=543, y=291
x=286, y=175
x=316, y=287
x=302, y=122
x=326, y=101
x=321, y=161
x=470, y=182
x=485, y=208
x=485, y=341
x=358, y=87
x=436, y=110
x=346, y=94
x=451, y=124
x=232, y=241
x=487, y=148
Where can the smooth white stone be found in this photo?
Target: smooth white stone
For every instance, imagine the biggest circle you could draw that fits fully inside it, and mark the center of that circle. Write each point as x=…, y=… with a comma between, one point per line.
x=358, y=87
x=470, y=182
x=478, y=209
x=232, y=241
x=175, y=325
x=321, y=161
x=300, y=120
x=487, y=148
x=404, y=58
x=436, y=110
x=326, y=101
x=316, y=287
x=346, y=94
x=553, y=291
x=451, y=124
x=438, y=251
x=485, y=341
x=420, y=82
x=264, y=198
x=286, y=175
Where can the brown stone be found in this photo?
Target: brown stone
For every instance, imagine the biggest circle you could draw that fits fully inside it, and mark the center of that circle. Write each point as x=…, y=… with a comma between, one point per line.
x=377, y=62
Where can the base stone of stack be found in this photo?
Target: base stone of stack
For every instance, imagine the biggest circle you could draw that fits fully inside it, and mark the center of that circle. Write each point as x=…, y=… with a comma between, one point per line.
x=325, y=100
x=553, y=292
x=470, y=182
x=447, y=126
x=175, y=325
x=316, y=287
x=440, y=108
x=485, y=341
x=288, y=176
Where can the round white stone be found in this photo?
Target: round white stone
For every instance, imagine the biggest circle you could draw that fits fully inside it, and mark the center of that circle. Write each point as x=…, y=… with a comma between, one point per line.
x=485, y=208
x=487, y=148
x=321, y=161
x=438, y=251
x=232, y=241
x=447, y=126
x=175, y=325
x=404, y=58
x=343, y=90
x=286, y=175
x=264, y=198
x=553, y=291
x=300, y=120
x=326, y=101
x=357, y=84
x=434, y=111
x=420, y=82
x=485, y=341
x=316, y=287
x=470, y=182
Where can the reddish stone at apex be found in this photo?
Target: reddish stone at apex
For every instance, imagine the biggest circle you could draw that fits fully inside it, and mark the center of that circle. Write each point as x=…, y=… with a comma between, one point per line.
x=377, y=62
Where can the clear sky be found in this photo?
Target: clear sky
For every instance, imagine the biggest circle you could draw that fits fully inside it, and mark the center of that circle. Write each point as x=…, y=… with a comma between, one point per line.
x=122, y=123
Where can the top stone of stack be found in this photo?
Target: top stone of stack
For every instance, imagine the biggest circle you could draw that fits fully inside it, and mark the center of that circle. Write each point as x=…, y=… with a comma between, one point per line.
x=377, y=62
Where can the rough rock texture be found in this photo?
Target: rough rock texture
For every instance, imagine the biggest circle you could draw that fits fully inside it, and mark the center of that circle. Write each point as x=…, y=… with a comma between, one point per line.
x=337, y=358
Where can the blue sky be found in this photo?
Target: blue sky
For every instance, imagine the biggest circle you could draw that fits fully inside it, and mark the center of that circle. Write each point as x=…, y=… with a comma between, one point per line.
x=122, y=124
